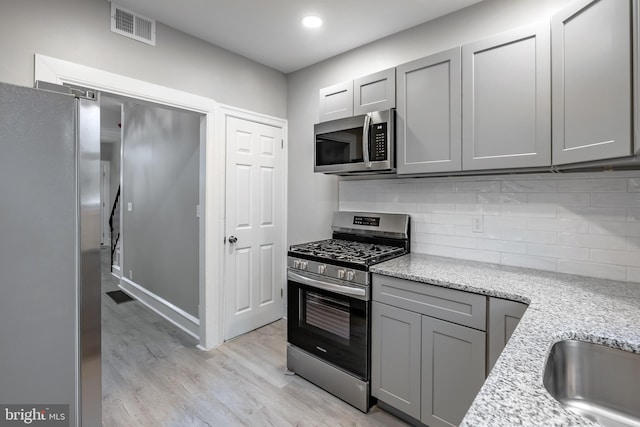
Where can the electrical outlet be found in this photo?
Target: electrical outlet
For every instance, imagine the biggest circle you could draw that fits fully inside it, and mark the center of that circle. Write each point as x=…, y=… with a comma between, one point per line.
x=130, y=207
x=477, y=225
x=131, y=274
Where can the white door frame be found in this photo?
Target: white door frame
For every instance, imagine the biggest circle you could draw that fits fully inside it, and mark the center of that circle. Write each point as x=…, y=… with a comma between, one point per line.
x=212, y=151
x=222, y=113
x=105, y=199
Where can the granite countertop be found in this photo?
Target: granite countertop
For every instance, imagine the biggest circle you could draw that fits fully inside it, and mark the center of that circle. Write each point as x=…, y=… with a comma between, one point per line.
x=561, y=306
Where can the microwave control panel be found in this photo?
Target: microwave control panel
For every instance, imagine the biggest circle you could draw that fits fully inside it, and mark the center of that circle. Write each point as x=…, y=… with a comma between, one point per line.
x=378, y=142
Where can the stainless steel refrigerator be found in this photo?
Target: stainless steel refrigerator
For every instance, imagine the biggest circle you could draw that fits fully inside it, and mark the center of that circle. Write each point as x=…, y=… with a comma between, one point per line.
x=49, y=257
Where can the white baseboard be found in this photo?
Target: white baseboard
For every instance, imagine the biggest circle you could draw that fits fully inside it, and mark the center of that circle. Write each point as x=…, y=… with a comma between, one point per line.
x=183, y=320
x=115, y=271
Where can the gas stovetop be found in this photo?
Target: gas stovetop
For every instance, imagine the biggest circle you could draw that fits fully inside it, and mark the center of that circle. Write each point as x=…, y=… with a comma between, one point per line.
x=345, y=251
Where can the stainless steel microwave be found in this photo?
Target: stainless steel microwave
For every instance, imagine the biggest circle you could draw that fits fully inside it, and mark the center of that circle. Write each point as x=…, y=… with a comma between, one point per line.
x=360, y=144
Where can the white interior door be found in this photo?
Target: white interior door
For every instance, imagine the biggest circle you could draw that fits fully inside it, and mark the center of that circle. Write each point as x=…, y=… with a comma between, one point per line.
x=254, y=225
x=105, y=201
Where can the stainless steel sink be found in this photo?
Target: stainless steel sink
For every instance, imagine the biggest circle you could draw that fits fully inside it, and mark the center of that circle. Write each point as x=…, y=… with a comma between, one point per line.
x=597, y=382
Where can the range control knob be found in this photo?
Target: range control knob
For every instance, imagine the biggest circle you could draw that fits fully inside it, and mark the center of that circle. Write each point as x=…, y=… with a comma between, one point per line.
x=296, y=263
x=350, y=275
x=341, y=273
x=303, y=265
x=322, y=268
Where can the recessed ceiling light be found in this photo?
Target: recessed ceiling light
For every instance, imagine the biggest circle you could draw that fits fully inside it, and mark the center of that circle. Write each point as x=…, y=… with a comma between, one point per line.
x=311, y=21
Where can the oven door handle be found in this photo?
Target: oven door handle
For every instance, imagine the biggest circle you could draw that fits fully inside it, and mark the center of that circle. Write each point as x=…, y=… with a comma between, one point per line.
x=357, y=292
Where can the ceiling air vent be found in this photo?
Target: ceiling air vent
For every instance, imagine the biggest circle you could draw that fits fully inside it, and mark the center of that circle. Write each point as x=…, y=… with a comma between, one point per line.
x=133, y=25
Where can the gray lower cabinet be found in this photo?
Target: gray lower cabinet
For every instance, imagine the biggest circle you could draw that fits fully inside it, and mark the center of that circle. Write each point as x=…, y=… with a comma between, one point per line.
x=592, y=81
x=504, y=316
x=428, y=116
x=506, y=100
x=395, y=357
x=453, y=370
x=422, y=363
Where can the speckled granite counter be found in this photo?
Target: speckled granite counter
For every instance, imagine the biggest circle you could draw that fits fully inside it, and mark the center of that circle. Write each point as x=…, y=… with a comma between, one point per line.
x=561, y=307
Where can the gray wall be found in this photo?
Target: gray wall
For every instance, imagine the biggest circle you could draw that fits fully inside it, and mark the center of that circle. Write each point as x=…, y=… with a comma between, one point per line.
x=79, y=31
x=312, y=197
x=161, y=180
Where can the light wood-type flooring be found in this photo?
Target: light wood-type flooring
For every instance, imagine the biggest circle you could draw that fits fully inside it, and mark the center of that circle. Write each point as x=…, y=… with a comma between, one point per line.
x=153, y=375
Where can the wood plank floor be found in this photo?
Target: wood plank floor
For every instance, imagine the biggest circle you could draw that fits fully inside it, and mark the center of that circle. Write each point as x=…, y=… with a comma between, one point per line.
x=153, y=375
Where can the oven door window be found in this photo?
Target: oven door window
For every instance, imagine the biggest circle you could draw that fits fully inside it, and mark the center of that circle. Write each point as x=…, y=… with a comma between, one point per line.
x=330, y=316
x=331, y=326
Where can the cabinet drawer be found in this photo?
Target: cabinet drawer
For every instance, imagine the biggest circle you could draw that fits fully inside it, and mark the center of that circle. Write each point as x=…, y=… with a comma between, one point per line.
x=459, y=307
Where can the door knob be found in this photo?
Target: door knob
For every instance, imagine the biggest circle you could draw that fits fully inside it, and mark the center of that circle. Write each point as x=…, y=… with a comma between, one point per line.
x=233, y=239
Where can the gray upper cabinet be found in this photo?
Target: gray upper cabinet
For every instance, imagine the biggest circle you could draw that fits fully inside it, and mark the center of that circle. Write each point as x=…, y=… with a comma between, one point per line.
x=336, y=102
x=504, y=316
x=375, y=92
x=506, y=100
x=428, y=122
x=592, y=81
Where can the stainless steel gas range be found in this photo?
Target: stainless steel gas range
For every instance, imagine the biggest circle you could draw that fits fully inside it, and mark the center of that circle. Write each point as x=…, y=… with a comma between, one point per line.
x=329, y=301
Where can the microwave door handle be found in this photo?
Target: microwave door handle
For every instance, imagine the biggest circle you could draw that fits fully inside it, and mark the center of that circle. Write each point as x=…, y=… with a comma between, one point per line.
x=365, y=140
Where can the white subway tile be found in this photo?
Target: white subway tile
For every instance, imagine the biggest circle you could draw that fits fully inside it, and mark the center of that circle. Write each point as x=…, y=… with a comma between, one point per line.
x=477, y=255
x=602, y=271
x=502, y=246
x=420, y=217
x=456, y=241
x=633, y=214
x=529, y=236
x=529, y=210
x=592, y=185
x=633, y=275
x=563, y=199
x=397, y=197
x=447, y=229
x=491, y=209
x=592, y=241
x=502, y=198
x=487, y=232
x=425, y=197
x=555, y=251
x=469, y=209
x=451, y=219
x=543, y=224
x=634, y=185
x=456, y=198
x=394, y=207
x=429, y=249
x=424, y=238
x=505, y=222
x=436, y=208
x=633, y=244
x=478, y=186
x=631, y=229
x=529, y=186
x=629, y=200
x=529, y=261
x=606, y=256
x=428, y=186
x=587, y=212
x=395, y=186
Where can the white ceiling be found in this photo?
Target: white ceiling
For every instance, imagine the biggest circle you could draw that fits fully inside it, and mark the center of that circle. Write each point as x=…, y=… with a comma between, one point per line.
x=270, y=32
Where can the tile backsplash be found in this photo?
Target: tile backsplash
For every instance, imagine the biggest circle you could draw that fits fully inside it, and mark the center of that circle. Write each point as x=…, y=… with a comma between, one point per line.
x=578, y=223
